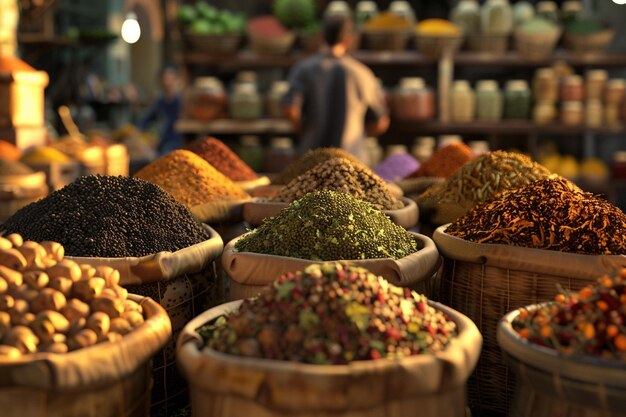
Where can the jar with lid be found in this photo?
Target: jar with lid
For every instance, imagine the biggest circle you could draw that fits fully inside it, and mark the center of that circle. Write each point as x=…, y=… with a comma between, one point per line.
x=396, y=149
x=593, y=113
x=274, y=99
x=338, y=8
x=496, y=17
x=463, y=102
x=246, y=77
x=206, y=99
x=611, y=115
x=245, y=102
x=572, y=113
x=572, y=88
x=548, y=10
x=423, y=148
x=488, y=101
x=412, y=100
x=523, y=11
x=479, y=147
x=615, y=91
x=545, y=85
x=544, y=112
x=618, y=165
x=516, y=100
x=251, y=152
x=445, y=140
x=374, y=152
x=571, y=10
x=466, y=14
x=365, y=10
x=595, y=83
x=402, y=9
x=280, y=154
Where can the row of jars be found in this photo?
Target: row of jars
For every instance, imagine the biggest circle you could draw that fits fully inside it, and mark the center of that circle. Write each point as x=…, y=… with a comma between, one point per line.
x=488, y=103
x=596, y=85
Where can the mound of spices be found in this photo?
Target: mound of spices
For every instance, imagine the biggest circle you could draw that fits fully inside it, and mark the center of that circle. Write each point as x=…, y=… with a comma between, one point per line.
x=267, y=27
x=190, y=179
x=587, y=322
x=45, y=155
x=104, y=216
x=223, y=159
x=310, y=159
x=549, y=214
x=396, y=166
x=445, y=161
x=9, y=151
x=483, y=178
x=332, y=314
x=330, y=226
x=10, y=167
x=340, y=174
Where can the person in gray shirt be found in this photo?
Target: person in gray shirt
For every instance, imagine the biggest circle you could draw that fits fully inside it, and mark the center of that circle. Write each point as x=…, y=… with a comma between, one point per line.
x=333, y=99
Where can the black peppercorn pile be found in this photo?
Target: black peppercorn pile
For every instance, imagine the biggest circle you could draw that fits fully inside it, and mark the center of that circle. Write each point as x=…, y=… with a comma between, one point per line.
x=330, y=226
x=547, y=214
x=332, y=314
x=104, y=216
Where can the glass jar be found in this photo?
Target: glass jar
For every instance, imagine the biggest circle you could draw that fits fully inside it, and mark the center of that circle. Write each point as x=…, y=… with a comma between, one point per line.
x=496, y=17
x=396, y=149
x=374, y=152
x=206, y=99
x=479, y=147
x=338, y=8
x=245, y=102
x=545, y=85
x=572, y=88
x=544, y=112
x=615, y=91
x=402, y=9
x=618, y=165
x=251, y=152
x=523, y=11
x=596, y=82
x=412, y=100
x=611, y=115
x=280, y=154
x=365, y=10
x=516, y=100
x=571, y=10
x=548, y=10
x=466, y=14
x=463, y=102
x=423, y=148
x=246, y=77
x=593, y=113
x=572, y=113
x=488, y=101
x=445, y=140
x=275, y=97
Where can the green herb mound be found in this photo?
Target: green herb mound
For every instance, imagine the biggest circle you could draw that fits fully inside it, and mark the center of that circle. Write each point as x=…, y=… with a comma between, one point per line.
x=330, y=226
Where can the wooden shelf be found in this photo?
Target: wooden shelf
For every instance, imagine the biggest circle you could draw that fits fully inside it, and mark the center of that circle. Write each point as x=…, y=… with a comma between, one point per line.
x=42, y=40
x=234, y=127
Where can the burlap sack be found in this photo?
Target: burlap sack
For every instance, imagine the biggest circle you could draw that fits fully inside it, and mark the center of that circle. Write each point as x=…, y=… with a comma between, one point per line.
x=105, y=380
x=486, y=281
x=252, y=184
x=250, y=272
x=429, y=385
x=219, y=211
x=255, y=212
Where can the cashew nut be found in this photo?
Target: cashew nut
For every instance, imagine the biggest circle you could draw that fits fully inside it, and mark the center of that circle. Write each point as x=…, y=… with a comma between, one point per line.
x=48, y=299
x=9, y=352
x=58, y=347
x=13, y=259
x=61, y=284
x=22, y=338
x=82, y=339
x=36, y=279
x=54, y=249
x=86, y=290
x=134, y=318
x=75, y=310
x=66, y=268
x=121, y=326
x=100, y=323
x=15, y=239
x=58, y=320
x=113, y=307
x=11, y=276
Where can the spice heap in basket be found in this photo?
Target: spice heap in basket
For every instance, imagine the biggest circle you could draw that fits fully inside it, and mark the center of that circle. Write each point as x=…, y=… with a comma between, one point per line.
x=445, y=161
x=51, y=304
x=223, y=159
x=339, y=174
x=104, y=216
x=190, y=179
x=329, y=225
x=309, y=160
x=549, y=214
x=587, y=322
x=332, y=314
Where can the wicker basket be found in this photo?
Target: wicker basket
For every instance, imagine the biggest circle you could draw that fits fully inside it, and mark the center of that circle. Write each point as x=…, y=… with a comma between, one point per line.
x=486, y=281
x=591, y=43
x=227, y=44
x=385, y=40
x=488, y=44
x=550, y=384
x=435, y=46
x=536, y=46
x=262, y=45
x=428, y=385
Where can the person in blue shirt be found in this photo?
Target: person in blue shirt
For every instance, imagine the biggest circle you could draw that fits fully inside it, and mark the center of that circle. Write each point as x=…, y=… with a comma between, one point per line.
x=166, y=109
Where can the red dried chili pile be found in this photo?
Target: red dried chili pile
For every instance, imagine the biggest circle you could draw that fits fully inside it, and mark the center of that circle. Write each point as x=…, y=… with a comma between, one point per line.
x=445, y=161
x=332, y=314
x=223, y=159
x=549, y=214
x=589, y=322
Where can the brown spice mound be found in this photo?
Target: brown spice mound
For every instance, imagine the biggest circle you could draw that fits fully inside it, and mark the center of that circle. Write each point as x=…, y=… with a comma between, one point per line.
x=190, y=179
x=309, y=160
x=223, y=159
x=547, y=214
x=445, y=161
x=340, y=174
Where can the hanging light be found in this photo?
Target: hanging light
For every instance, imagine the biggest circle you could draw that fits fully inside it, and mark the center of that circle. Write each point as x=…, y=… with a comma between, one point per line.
x=130, y=28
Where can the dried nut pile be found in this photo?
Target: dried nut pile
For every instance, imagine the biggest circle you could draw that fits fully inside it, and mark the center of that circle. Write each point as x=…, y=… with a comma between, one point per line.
x=587, y=322
x=330, y=226
x=310, y=159
x=483, y=178
x=445, y=161
x=9, y=167
x=51, y=304
x=112, y=217
x=339, y=174
x=332, y=314
x=190, y=179
x=223, y=159
x=548, y=214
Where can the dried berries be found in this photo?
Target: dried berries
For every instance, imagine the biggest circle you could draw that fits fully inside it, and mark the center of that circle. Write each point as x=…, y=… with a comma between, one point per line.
x=190, y=179
x=310, y=159
x=445, y=161
x=339, y=174
x=332, y=314
x=548, y=214
x=330, y=226
x=223, y=159
x=588, y=322
x=105, y=216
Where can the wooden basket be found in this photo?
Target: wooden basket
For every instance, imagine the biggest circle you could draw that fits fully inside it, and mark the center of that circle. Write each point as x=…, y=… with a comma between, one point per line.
x=551, y=384
x=486, y=281
x=428, y=385
x=434, y=46
x=536, y=46
x=262, y=45
x=591, y=43
x=227, y=44
x=385, y=40
x=488, y=44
